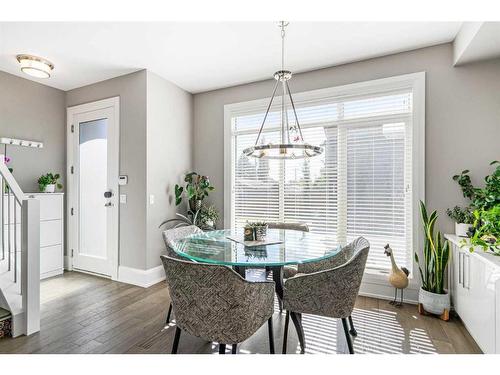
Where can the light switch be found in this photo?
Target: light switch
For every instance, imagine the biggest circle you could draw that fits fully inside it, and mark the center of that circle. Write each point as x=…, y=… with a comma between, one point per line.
x=123, y=198
x=151, y=199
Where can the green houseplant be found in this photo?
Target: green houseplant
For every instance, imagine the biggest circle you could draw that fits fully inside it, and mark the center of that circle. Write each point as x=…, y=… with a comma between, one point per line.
x=463, y=218
x=47, y=183
x=208, y=217
x=197, y=188
x=486, y=204
x=436, y=253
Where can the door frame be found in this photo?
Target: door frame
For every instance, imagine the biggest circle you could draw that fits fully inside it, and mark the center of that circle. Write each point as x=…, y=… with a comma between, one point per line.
x=71, y=191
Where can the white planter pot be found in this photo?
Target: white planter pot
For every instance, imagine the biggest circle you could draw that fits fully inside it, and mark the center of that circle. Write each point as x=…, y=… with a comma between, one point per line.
x=461, y=229
x=50, y=188
x=434, y=303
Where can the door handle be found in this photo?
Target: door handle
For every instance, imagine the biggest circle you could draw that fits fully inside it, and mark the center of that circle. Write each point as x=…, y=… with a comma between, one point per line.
x=109, y=204
x=108, y=194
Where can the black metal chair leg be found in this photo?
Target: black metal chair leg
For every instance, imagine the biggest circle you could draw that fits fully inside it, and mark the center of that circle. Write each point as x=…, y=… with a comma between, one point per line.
x=177, y=336
x=285, y=334
x=352, y=331
x=222, y=348
x=347, y=336
x=168, y=314
x=280, y=304
x=234, y=349
x=271, y=334
x=297, y=322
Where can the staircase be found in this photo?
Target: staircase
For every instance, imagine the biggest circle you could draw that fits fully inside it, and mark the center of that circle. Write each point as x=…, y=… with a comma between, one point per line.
x=19, y=256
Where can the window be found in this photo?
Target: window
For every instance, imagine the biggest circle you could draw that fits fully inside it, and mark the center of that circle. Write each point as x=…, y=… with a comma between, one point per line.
x=364, y=182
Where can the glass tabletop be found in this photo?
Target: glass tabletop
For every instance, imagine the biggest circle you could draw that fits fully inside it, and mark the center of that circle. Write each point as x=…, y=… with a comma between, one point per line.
x=295, y=247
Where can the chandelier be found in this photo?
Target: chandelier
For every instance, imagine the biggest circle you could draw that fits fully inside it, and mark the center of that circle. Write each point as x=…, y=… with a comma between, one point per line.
x=292, y=145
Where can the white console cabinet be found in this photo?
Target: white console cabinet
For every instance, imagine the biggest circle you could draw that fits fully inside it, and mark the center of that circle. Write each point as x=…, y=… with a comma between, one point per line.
x=51, y=233
x=474, y=280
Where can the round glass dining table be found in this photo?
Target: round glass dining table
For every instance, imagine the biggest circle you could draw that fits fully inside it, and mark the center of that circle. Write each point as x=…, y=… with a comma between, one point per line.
x=285, y=247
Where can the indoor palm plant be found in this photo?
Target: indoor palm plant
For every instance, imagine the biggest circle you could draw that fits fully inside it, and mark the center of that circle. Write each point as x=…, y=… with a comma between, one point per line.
x=436, y=252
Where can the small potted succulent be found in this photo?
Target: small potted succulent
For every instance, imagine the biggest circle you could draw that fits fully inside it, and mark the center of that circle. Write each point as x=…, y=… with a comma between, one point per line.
x=463, y=220
x=259, y=230
x=47, y=183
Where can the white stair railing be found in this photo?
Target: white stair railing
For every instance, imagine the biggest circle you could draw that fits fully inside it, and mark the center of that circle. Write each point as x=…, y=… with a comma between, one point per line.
x=20, y=252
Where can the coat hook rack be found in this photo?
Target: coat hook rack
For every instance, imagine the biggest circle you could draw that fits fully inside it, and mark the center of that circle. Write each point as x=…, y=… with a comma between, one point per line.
x=21, y=142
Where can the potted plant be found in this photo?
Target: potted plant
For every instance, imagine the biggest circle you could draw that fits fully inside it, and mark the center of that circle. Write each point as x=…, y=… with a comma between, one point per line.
x=463, y=220
x=486, y=230
x=47, y=183
x=208, y=216
x=197, y=188
x=259, y=230
x=432, y=295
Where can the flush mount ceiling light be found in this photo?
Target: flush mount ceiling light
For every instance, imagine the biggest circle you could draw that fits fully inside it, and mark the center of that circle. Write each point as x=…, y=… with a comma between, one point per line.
x=292, y=145
x=35, y=66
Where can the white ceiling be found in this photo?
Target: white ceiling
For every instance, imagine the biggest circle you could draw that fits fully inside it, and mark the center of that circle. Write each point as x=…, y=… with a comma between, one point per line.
x=204, y=56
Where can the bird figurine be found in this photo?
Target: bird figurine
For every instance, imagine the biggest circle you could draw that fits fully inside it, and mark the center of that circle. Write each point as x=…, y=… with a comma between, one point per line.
x=398, y=277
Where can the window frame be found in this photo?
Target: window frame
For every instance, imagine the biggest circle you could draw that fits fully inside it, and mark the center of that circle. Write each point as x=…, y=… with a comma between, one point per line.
x=415, y=81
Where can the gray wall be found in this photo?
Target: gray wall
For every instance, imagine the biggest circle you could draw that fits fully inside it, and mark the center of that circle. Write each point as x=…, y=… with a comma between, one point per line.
x=131, y=89
x=462, y=117
x=169, y=154
x=32, y=111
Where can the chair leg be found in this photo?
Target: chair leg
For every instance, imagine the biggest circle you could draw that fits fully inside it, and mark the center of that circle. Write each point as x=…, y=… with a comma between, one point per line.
x=234, y=349
x=347, y=336
x=271, y=334
x=285, y=334
x=222, y=348
x=176, y=340
x=352, y=331
x=280, y=304
x=297, y=321
x=168, y=314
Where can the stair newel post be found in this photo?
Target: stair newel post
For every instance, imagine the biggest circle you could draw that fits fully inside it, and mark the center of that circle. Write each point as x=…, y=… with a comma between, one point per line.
x=30, y=263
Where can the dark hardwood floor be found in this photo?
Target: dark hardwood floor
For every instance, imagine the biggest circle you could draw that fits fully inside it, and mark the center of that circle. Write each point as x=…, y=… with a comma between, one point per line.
x=87, y=314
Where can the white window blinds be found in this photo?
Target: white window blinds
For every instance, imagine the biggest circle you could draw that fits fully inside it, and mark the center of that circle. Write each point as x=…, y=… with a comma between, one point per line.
x=359, y=186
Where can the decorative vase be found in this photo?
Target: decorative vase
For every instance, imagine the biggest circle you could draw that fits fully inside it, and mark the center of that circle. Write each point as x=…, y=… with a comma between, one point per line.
x=461, y=229
x=260, y=232
x=433, y=302
x=50, y=188
x=195, y=205
x=248, y=234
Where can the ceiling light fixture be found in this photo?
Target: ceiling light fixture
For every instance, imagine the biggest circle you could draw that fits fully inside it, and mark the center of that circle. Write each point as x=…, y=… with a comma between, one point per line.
x=35, y=66
x=292, y=144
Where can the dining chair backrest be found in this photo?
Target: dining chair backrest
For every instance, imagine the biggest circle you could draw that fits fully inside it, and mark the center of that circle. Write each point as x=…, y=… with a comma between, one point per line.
x=215, y=303
x=341, y=257
x=170, y=236
x=331, y=292
x=291, y=226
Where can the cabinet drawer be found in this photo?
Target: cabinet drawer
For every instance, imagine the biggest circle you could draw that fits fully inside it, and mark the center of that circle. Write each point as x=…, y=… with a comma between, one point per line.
x=51, y=206
x=51, y=259
x=50, y=233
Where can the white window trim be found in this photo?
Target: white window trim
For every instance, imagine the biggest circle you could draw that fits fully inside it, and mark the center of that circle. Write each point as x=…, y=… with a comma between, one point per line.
x=414, y=80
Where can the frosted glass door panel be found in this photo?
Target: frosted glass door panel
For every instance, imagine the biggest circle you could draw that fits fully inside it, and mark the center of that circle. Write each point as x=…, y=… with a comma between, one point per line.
x=93, y=161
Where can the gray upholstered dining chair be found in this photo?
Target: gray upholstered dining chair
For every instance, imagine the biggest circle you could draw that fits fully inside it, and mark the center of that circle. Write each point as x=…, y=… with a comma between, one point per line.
x=170, y=236
x=328, y=292
x=215, y=303
x=338, y=259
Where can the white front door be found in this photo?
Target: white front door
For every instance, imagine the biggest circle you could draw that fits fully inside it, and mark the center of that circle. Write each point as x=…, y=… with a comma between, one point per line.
x=93, y=152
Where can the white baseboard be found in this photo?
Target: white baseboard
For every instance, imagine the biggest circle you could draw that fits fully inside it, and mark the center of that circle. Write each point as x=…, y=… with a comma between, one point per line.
x=143, y=278
x=386, y=292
